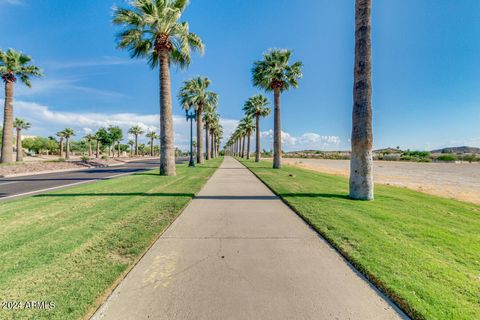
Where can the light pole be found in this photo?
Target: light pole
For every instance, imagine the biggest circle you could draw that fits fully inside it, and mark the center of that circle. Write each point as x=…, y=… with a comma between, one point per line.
x=191, y=116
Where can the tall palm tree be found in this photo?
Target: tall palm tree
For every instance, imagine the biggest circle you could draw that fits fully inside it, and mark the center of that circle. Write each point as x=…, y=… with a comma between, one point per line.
x=361, y=163
x=19, y=125
x=248, y=126
x=61, y=136
x=98, y=139
x=151, y=29
x=131, y=143
x=219, y=136
x=274, y=73
x=195, y=94
x=13, y=64
x=257, y=106
x=152, y=135
x=136, y=131
x=89, y=139
x=209, y=119
x=68, y=133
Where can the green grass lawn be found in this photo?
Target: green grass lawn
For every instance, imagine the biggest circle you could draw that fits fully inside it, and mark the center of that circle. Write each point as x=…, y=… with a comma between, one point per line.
x=71, y=246
x=422, y=250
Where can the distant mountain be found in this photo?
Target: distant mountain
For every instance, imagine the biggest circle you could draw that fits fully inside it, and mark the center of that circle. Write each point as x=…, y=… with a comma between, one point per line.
x=458, y=150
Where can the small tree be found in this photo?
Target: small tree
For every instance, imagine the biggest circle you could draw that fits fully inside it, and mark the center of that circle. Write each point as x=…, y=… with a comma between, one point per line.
x=19, y=125
x=136, y=131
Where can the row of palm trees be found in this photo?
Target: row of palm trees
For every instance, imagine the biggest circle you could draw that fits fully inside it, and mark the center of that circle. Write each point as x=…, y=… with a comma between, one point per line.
x=255, y=108
x=151, y=29
x=113, y=135
x=275, y=74
x=195, y=94
x=13, y=65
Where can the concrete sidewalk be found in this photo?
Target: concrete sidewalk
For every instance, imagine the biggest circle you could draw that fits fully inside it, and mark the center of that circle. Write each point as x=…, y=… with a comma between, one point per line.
x=238, y=252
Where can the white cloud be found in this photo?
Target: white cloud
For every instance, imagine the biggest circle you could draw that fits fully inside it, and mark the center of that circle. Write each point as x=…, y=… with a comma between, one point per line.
x=305, y=141
x=47, y=122
x=46, y=86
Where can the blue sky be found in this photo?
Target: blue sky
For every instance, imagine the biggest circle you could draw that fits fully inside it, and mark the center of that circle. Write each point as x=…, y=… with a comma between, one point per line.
x=426, y=76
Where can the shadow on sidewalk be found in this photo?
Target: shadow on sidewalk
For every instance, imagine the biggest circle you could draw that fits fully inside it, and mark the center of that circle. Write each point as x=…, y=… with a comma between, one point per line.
x=237, y=197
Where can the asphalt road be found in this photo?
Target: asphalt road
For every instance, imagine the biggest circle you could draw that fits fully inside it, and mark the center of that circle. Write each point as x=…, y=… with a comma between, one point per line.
x=35, y=184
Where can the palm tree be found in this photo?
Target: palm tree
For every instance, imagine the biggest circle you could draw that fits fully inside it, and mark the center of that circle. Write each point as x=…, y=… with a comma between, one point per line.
x=195, y=94
x=19, y=125
x=89, y=138
x=152, y=30
x=257, y=106
x=98, y=138
x=152, y=135
x=219, y=135
x=61, y=135
x=131, y=143
x=248, y=126
x=209, y=118
x=116, y=135
x=274, y=73
x=68, y=133
x=136, y=131
x=13, y=64
x=361, y=163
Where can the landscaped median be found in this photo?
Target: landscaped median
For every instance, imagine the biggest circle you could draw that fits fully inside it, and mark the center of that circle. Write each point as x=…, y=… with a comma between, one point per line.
x=421, y=250
x=69, y=248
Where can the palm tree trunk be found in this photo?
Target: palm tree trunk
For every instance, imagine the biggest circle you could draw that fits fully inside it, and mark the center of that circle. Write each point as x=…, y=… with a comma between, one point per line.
x=248, y=146
x=61, y=148
x=212, y=155
x=98, y=150
x=136, y=144
x=361, y=163
x=167, y=148
x=257, y=142
x=90, y=148
x=19, y=146
x=207, y=143
x=215, y=148
x=67, y=156
x=7, y=137
x=243, y=147
x=200, y=158
x=151, y=147
x=277, y=132
x=118, y=149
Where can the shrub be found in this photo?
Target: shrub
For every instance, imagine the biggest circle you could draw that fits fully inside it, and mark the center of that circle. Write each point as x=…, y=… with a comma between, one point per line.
x=447, y=157
x=84, y=158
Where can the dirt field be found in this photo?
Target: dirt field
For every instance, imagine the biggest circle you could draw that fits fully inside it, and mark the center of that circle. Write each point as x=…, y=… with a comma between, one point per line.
x=453, y=180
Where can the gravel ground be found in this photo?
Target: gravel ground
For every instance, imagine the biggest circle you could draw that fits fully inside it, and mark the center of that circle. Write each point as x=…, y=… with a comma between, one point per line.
x=459, y=181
